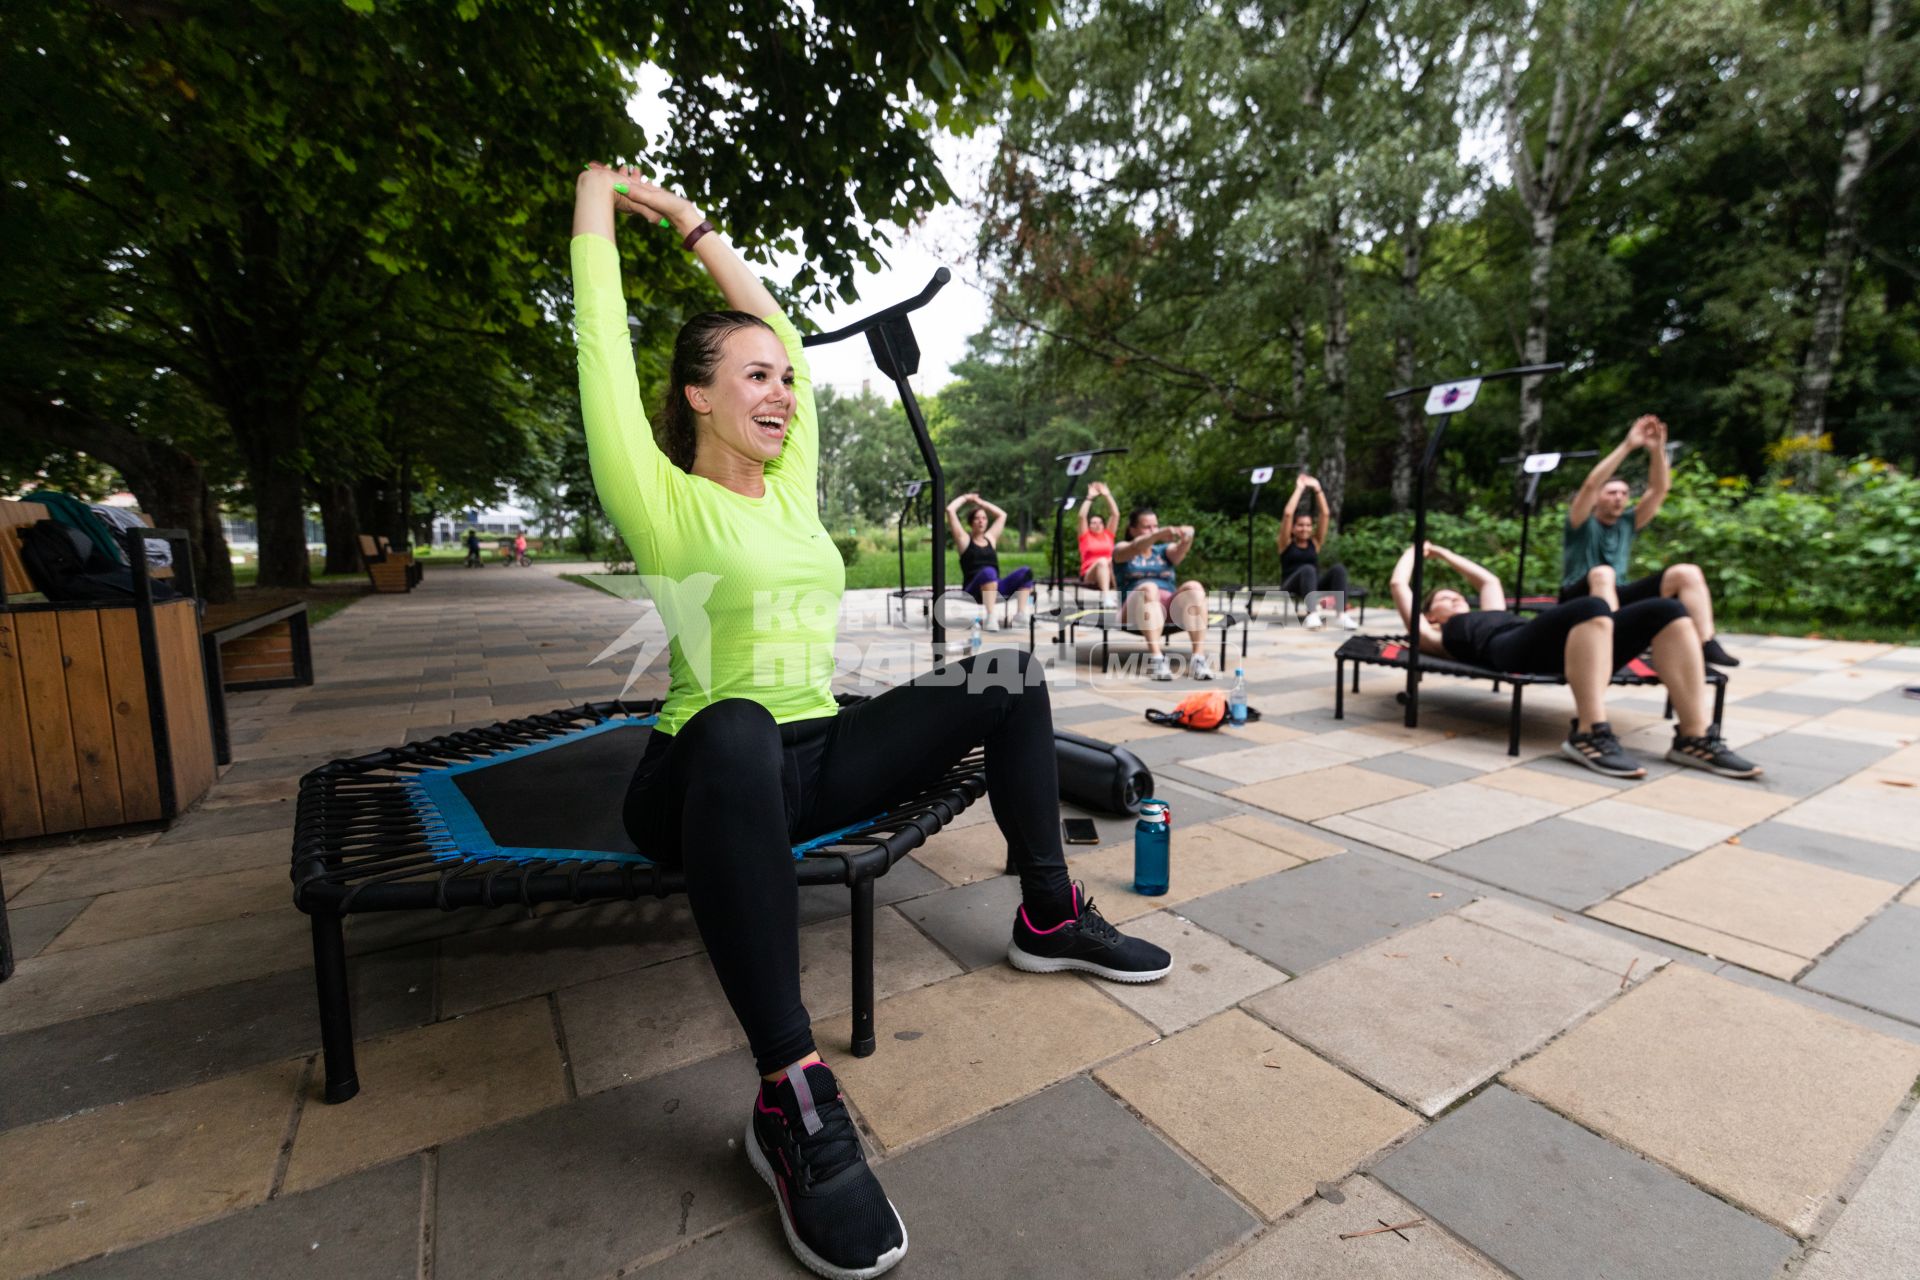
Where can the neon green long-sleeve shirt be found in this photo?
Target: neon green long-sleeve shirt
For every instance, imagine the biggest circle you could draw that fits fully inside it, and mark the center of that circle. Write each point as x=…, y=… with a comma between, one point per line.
x=749, y=588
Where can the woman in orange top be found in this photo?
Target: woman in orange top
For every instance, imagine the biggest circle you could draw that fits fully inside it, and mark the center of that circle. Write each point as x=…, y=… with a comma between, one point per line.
x=1096, y=542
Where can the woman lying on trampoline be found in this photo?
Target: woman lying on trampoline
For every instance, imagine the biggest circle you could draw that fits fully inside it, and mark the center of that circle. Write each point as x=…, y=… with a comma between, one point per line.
x=1144, y=566
x=1096, y=543
x=979, y=542
x=1584, y=643
x=1303, y=534
x=751, y=752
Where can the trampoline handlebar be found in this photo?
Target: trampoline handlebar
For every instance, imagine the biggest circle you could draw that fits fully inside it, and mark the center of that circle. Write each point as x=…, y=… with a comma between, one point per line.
x=1084, y=453
x=1518, y=371
x=914, y=303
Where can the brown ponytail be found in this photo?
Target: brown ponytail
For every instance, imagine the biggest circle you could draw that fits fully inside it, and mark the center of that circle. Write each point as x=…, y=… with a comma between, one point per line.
x=696, y=358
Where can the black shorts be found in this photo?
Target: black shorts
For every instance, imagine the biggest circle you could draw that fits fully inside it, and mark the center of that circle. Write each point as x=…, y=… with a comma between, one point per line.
x=1539, y=646
x=1647, y=588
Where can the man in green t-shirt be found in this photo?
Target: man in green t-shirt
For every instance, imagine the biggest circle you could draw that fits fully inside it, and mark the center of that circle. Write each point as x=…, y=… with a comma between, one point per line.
x=1601, y=523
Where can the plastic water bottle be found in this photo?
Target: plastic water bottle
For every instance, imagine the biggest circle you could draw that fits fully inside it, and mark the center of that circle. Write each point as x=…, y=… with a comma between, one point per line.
x=1152, y=848
x=973, y=639
x=1237, y=697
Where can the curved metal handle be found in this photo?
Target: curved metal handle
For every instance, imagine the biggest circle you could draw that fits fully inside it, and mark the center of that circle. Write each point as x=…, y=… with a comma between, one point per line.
x=914, y=303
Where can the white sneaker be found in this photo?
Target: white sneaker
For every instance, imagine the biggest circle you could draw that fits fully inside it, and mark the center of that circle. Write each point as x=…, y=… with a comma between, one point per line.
x=993, y=622
x=1199, y=668
x=1108, y=600
x=1313, y=621
x=1350, y=622
x=1157, y=667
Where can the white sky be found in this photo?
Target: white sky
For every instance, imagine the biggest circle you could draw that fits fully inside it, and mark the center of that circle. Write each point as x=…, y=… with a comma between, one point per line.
x=943, y=238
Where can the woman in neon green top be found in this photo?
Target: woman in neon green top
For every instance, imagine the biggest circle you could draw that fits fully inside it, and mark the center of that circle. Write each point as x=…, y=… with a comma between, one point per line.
x=717, y=503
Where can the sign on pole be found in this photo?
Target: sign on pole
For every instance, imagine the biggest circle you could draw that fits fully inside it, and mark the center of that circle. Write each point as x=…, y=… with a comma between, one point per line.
x=1452, y=397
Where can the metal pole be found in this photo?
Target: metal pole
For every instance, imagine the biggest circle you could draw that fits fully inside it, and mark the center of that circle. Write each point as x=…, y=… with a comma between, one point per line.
x=1419, y=565
x=1526, y=522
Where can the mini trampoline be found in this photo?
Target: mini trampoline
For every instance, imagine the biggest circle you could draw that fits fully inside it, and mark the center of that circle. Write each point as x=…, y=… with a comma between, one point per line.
x=1391, y=651
x=529, y=811
x=1068, y=619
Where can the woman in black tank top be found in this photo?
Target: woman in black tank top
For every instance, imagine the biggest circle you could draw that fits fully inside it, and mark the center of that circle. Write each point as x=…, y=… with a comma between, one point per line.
x=1302, y=534
x=978, y=539
x=1582, y=642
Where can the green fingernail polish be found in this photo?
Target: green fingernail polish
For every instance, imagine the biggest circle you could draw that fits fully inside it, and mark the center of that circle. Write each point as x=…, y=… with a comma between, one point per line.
x=664, y=222
x=621, y=187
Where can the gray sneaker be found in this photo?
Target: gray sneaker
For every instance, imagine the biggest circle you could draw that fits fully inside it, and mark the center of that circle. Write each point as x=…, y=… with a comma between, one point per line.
x=1600, y=751
x=1710, y=751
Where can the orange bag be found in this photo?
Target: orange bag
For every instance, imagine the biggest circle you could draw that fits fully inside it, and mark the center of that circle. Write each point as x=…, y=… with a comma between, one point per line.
x=1205, y=710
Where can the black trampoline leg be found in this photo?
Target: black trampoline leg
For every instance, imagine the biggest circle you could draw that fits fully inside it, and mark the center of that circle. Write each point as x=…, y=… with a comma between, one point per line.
x=336, y=1013
x=1719, y=702
x=1513, y=725
x=1339, y=690
x=862, y=890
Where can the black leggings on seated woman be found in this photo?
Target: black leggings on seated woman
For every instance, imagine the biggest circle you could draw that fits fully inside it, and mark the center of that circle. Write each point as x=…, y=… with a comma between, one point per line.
x=728, y=796
x=1538, y=645
x=1309, y=579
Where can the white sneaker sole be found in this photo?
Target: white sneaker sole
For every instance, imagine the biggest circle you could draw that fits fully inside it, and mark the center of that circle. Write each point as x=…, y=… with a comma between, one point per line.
x=1580, y=757
x=813, y=1261
x=1694, y=762
x=1049, y=964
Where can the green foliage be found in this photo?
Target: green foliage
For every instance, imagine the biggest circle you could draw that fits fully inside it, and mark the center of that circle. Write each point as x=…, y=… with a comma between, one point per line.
x=848, y=545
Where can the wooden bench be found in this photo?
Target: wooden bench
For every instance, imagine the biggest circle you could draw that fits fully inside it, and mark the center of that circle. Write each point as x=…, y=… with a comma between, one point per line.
x=252, y=644
x=388, y=570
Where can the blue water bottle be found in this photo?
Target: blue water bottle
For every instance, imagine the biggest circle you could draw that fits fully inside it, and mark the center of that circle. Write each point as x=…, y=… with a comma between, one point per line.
x=1152, y=847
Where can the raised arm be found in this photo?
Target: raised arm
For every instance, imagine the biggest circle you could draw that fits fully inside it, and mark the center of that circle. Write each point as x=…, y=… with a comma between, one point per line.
x=1325, y=514
x=1182, y=542
x=955, y=526
x=1589, y=492
x=1659, y=475
x=1482, y=579
x=1285, y=535
x=629, y=471
x=1401, y=585
x=999, y=523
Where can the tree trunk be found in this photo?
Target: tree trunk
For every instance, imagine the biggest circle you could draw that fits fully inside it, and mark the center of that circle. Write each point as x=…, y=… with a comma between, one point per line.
x=1297, y=343
x=1412, y=434
x=1533, y=349
x=340, y=518
x=1334, y=360
x=280, y=514
x=1836, y=264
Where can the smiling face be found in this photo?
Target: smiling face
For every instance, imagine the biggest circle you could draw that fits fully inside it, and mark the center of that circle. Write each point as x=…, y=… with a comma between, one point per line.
x=1612, y=503
x=1096, y=524
x=748, y=406
x=1302, y=530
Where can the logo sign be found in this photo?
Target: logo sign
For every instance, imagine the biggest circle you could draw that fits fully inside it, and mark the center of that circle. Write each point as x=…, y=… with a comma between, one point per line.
x=913, y=488
x=1452, y=397
x=1077, y=465
x=1068, y=503
x=1262, y=474
x=1540, y=463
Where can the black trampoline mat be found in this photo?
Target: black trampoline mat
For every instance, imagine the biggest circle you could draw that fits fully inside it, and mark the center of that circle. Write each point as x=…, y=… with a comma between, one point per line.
x=564, y=797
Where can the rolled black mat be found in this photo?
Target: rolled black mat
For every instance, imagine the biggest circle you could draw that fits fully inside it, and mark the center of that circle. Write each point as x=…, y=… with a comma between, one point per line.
x=1100, y=776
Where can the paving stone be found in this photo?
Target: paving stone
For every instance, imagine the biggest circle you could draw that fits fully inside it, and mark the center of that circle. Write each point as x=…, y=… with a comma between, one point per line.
x=1420, y=769
x=1878, y=1234
x=1192, y=806
x=1462, y=814
x=1262, y=1114
x=1799, y=764
x=1762, y=1100
x=1164, y=749
x=74, y=984
x=1862, y=811
x=1204, y=859
x=1275, y=836
x=1372, y=833
x=366, y=1227
x=274, y=815
x=985, y=1039
x=1690, y=795
x=17, y=873
x=1687, y=833
x=1572, y=937
x=1556, y=786
x=1878, y=967
x=500, y=965
x=1308, y=1246
x=1279, y=760
x=1309, y=796
x=134, y=1172
x=1773, y=701
x=112, y=868
x=1550, y=1201
x=1708, y=942
x=964, y=855
x=33, y=928
x=973, y=922
x=1842, y=853
x=129, y=1053
x=134, y=913
x=1301, y=918
x=1209, y=974
x=428, y=1086
x=634, y=1025
x=591, y=1187
x=1448, y=1004
x=907, y=879
x=1566, y=863
x=1783, y=903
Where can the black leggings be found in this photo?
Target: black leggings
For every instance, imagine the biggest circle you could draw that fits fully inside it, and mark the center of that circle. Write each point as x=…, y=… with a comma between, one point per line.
x=1310, y=579
x=1633, y=592
x=727, y=797
x=1539, y=646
